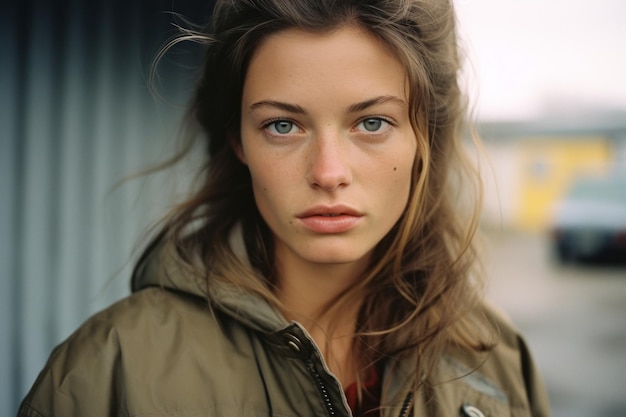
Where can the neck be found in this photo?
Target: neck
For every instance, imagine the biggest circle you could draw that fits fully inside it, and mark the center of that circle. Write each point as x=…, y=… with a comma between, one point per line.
x=308, y=293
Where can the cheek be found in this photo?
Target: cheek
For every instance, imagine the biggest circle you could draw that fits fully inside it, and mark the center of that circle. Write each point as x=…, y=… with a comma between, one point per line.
x=262, y=183
x=270, y=181
x=400, y=178
x=401, y=185
x=402, y=166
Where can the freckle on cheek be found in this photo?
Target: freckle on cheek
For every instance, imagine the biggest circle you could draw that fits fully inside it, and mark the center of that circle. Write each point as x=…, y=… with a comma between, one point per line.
x=395, y=168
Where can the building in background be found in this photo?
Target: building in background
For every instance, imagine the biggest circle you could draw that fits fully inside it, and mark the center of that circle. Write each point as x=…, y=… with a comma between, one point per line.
x=530, y=165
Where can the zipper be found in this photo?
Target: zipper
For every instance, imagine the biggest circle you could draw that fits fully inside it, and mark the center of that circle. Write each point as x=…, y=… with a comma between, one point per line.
x=405, y=410
x=321, y=387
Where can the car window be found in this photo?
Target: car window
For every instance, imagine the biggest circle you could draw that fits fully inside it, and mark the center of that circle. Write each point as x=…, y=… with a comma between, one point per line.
x=610, y=189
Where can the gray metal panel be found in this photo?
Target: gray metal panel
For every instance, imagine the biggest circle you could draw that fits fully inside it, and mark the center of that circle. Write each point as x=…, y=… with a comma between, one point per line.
x=76, y=118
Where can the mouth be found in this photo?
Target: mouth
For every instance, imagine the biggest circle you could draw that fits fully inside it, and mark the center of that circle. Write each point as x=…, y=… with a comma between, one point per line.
x=330, y=211
x=330, y=220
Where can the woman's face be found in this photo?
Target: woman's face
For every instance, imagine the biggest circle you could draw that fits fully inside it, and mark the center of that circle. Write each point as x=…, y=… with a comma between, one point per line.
x=325, y=132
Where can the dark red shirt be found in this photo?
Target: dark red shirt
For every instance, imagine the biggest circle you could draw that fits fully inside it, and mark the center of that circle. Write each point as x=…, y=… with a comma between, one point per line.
x=370, y=402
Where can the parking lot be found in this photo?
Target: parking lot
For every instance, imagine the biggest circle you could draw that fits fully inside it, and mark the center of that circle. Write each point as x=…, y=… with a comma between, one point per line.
x=573, y=316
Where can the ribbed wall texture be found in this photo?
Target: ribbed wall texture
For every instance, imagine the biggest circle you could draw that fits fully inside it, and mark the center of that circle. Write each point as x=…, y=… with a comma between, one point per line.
x=76, y=116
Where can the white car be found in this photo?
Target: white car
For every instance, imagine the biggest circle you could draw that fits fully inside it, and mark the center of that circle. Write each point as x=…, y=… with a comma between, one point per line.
x=590, y=221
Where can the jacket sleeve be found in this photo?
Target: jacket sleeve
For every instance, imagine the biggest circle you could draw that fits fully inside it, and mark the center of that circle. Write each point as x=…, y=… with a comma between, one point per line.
x=512, y=366
x=535, y=390
x=80, y=378
x=129, y=359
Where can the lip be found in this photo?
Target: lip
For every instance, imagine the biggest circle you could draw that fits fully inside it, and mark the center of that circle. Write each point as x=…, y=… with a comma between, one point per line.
x=330, y=219
x=323, y=210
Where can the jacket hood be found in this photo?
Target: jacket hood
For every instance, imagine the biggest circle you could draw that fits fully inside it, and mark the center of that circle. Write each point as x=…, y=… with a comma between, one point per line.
x=161, y=269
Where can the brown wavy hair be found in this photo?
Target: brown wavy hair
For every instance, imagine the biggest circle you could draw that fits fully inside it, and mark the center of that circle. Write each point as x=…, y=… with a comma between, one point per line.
x=420, y=290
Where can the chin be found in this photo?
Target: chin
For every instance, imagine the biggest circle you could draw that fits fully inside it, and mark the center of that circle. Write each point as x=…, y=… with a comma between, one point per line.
x=337, y=256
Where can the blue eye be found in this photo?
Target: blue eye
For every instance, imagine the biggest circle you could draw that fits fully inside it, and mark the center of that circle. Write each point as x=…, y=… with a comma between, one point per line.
x=282, y=127
x=372, y=124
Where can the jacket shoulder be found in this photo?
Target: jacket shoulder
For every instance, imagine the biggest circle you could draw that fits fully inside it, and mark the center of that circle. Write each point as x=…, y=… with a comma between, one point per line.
x=119, y=351
x=505, y=374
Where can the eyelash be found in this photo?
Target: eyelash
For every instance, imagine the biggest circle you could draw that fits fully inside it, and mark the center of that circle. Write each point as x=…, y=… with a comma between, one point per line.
x=267, y=124
x=381, y=118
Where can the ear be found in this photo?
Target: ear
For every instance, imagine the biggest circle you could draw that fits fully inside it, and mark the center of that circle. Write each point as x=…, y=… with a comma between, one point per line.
x=234, y=141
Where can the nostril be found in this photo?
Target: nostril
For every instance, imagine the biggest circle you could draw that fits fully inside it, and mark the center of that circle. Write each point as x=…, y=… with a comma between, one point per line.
x=329, y=174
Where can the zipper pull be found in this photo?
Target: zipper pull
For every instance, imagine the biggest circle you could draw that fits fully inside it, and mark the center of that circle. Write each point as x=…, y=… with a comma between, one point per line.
x=468, y=410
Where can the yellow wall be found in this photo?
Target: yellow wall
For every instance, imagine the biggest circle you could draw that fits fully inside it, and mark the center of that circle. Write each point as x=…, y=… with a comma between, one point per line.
x=547, y=168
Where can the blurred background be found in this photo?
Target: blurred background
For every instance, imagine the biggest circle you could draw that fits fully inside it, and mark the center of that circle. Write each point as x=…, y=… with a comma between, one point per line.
x=546, y=83
x=546, y=79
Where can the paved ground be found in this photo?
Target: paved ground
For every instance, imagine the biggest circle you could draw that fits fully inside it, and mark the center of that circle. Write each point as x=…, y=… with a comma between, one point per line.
x=574, y=318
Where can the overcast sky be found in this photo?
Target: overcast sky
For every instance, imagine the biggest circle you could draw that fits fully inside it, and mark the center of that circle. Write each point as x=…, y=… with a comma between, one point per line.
x=533, y=58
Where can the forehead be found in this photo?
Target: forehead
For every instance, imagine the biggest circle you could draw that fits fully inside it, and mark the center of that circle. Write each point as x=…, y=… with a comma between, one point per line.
x=346, y=59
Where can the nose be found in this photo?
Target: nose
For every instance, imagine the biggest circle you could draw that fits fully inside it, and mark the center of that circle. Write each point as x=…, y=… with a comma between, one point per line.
x=329, y=167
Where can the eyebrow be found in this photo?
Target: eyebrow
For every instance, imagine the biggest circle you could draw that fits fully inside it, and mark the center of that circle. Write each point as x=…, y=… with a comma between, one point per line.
x=291, y=108
x=363, y=105
x=353, y=108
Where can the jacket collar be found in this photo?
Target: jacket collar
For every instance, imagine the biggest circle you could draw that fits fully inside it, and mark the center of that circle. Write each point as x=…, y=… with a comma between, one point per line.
x=165, y=271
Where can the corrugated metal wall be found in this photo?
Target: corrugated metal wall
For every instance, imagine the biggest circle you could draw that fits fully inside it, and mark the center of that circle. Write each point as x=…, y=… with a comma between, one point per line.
x=76, y=116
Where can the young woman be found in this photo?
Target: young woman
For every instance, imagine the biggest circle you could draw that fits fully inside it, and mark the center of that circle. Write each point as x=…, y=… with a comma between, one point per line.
x=322, y=268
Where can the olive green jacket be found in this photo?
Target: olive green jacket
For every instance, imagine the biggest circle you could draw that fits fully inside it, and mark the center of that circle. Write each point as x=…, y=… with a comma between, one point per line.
x=163, y=352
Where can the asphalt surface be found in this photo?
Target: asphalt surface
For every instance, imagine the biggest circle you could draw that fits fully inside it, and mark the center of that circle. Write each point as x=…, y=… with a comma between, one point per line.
x=573, y=316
